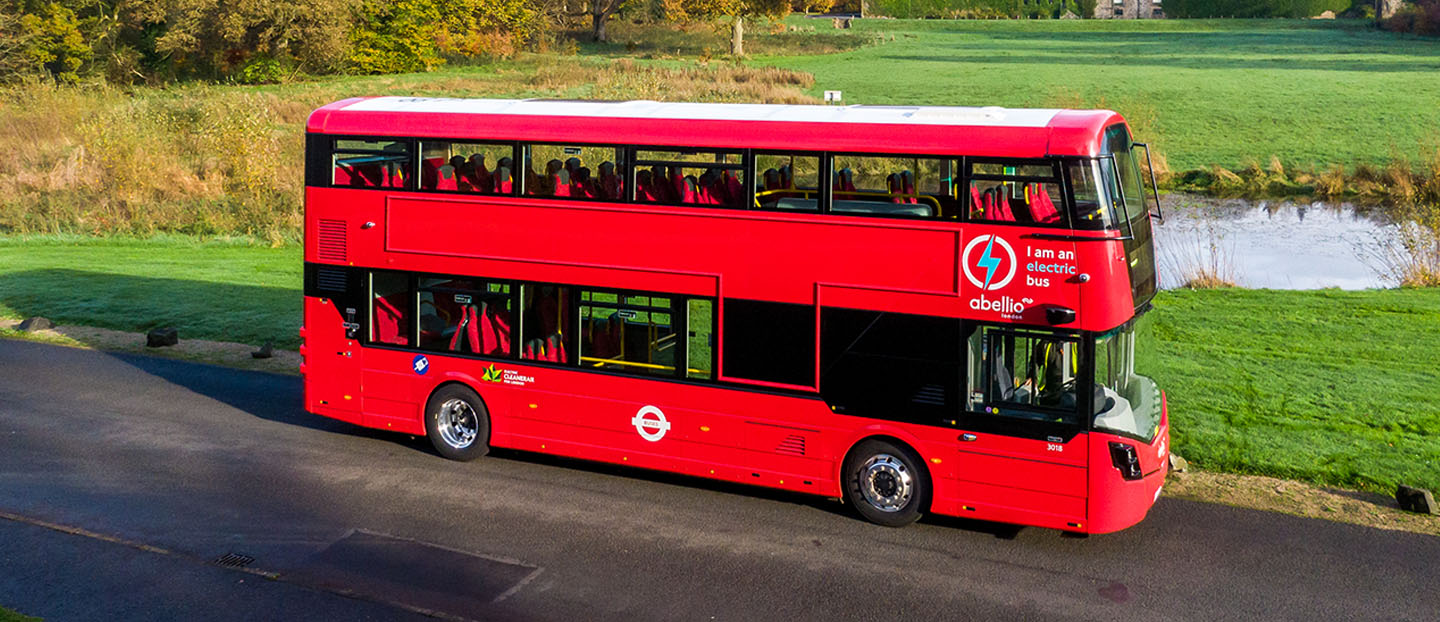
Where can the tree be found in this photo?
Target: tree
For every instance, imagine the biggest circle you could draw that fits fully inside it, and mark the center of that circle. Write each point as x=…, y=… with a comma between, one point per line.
x=600, y=12
x=1385, y=9
x=44, y=40
x=734, y=10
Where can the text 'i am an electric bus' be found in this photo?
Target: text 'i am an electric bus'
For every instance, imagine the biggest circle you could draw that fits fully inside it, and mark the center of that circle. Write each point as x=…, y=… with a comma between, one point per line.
x=918, y=309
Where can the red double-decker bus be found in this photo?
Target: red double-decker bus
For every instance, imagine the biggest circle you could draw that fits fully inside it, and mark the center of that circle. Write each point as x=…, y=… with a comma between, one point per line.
x=918, y=309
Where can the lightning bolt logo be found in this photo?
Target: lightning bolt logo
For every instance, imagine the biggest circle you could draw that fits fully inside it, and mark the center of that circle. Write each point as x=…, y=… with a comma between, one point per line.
x=989, y=263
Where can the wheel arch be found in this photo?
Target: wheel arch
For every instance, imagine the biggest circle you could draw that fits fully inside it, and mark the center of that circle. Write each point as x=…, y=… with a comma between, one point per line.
x=490, y=401
x=899, y=440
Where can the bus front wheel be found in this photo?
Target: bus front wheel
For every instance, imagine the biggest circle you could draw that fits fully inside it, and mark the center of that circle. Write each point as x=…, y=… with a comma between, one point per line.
x=886, y=483
x=458, y=423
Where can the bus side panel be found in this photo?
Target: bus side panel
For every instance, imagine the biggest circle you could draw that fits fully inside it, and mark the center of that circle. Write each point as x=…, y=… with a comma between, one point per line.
x=1001, y=478
x=391, y=400
x=1107, y=293
x=332, y=364
x=1117, y=503
x=599, y=417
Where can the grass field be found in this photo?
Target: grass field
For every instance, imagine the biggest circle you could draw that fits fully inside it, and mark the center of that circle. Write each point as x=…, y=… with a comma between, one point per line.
x=1330, y=387
x=7, y=615
x=1312, y=92
x=1333, y=387
x=221, y=290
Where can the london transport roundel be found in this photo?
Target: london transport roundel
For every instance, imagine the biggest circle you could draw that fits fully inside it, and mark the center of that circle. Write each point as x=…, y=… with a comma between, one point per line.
x=650, y=423
x=992, y=267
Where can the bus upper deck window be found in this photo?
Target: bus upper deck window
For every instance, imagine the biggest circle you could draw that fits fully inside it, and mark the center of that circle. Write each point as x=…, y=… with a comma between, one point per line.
x=1025, y=193
x=372, y=164
x=582, y=172
x=788, y=182
x=690, y=177
x=893, y=186
x=476, y=168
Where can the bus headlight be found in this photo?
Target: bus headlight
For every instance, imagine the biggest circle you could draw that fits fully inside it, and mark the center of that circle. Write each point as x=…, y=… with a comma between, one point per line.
x=1124, y=457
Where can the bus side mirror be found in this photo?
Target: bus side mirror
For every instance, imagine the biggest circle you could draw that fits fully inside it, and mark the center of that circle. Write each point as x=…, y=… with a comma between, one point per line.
x=1154, y=187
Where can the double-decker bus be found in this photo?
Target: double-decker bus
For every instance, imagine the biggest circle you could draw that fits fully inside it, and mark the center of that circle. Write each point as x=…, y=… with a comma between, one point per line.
x=917, y=309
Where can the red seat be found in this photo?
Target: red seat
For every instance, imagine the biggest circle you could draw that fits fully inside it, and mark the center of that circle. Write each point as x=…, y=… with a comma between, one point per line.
x=892, y=183
x=429, y=172
x=495, y=326
x=503, y=183
x=479, y=174
x=448, y=179
x=472, y=329
x=561, y=181
x=455, y=343
x=388, y=321
x=734, y=190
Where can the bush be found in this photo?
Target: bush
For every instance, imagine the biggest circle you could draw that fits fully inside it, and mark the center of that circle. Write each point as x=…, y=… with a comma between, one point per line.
x=1253, y=8
x=1421, y=18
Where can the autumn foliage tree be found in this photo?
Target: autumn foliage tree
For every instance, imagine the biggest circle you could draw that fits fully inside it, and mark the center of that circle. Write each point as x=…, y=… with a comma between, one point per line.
x=733, y=11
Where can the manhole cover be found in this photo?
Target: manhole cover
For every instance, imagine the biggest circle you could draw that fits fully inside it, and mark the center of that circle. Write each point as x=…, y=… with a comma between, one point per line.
x=234, y=560
x=413, y=573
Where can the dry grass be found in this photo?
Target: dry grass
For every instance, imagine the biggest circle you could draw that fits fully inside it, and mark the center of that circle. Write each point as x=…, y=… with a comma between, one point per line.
x=1412, y=257
x=707, y=40
x=212, y=160
x=1270, y=494
x=1202, y=260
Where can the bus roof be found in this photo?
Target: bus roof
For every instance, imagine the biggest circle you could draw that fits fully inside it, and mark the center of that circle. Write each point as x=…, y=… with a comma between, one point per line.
x=990, y=131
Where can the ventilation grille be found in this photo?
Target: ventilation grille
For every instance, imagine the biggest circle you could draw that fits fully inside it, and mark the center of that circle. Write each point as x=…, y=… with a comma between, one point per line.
x=793, y=444
x=930, y=394
x=332, y=280
x=331, y=241
x=234, y=560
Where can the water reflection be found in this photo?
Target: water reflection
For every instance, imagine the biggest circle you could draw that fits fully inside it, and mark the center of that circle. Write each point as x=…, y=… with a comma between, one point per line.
x=1261, y=244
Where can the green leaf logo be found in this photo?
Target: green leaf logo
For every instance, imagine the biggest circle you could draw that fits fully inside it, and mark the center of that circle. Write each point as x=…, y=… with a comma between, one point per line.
x=491, y=375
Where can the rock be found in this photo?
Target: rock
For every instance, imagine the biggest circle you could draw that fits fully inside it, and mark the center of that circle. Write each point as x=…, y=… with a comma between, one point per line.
x=33, y=324
x=266, y=351
x=1326, y=15
x=1069, y=15
x=1178, y=464
x=162, y=337
x=1416, y=500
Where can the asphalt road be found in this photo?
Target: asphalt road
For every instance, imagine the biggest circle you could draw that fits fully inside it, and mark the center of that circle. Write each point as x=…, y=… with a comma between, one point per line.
x=167, y=466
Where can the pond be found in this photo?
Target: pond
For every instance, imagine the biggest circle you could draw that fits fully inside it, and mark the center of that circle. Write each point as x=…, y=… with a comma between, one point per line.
x=1277, y=245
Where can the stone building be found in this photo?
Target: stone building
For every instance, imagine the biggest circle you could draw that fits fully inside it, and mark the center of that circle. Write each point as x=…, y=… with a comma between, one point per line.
x=1129, y=9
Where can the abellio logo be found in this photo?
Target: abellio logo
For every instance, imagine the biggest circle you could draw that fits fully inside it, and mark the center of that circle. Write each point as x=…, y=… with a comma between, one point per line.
x=990, y=269
x=982, y=270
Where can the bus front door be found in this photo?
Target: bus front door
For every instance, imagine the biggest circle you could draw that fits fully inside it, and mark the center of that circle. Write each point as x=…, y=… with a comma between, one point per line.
x=1022, y=455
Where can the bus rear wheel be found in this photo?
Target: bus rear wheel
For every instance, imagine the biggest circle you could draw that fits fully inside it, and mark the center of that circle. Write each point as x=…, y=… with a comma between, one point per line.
x=886, y=483
x=457, y=423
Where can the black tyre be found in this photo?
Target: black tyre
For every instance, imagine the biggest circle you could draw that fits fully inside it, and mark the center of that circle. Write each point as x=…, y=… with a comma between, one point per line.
x=458, y=423
x=886, y=483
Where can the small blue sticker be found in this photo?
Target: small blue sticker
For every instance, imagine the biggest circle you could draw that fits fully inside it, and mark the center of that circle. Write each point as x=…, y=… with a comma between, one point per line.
x=421, y=364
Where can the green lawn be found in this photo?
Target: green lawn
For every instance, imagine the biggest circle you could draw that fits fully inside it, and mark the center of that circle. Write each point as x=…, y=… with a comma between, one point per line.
x=7, y=615
x=1207, y=92
x=1326, y=386
x=224, y=290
